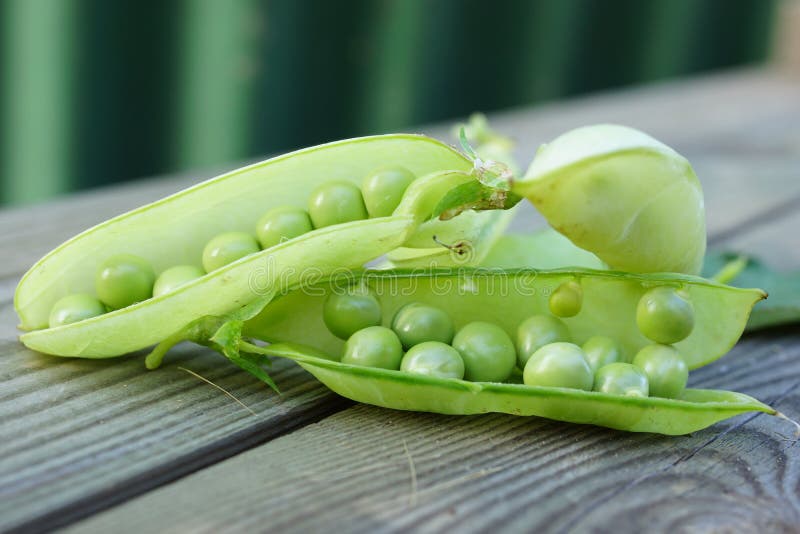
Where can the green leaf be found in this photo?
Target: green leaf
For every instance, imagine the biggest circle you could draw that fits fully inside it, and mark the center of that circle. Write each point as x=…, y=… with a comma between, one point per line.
x=782, y=306
x=228, y=339
x=474, y=196
x=465, y=146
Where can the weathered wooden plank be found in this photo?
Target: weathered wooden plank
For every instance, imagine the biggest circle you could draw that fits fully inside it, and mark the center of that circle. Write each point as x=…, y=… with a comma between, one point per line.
x=79, y=435
x=68, y=418
x=368, y=468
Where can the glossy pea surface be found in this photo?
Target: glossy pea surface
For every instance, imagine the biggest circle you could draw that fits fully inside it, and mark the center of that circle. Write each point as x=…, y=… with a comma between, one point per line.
x=123, y=280
x=417, y=323
x=664, y=315
x=346, y=313
x=621, y=379
x=281, y=224
x=375, y=346
x=336, y=203
x=74, y=308
x=600, y=351
x=433, y=358
x=537, y=331
x=560, y=365
x=566, y=300
x=666, y=371
x=174, y=277
x=487, y=351
x=227, y=248
x=383, y=190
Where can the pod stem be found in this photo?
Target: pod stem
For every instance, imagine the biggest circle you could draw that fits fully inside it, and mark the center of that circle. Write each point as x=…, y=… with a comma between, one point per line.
x=731, y=270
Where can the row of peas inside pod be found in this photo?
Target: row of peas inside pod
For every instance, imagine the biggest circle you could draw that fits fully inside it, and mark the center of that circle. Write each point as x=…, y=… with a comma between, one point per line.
x=126, y=279
x=422, y=339
x=573, y=345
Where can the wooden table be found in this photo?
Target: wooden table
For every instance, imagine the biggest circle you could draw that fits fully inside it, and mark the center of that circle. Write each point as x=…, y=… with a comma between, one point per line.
x=105, y=446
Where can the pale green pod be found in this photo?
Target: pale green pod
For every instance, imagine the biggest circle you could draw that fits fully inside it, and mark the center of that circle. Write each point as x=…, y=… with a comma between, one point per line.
x=620, y=194
x=174, y=230
x=504, y=298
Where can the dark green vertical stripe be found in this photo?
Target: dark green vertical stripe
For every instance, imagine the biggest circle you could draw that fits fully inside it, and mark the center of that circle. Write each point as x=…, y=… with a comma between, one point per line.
x=668, y=42
x=546, y=48
x=36, y=112
x=125, y=89
x=396, y=46
x=217, y=65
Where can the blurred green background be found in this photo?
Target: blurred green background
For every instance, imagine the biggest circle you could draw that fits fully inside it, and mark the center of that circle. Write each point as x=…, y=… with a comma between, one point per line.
x=100, y=91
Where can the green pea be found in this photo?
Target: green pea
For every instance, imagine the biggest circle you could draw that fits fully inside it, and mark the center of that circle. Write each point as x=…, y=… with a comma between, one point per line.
x=487, y=351
x=384, y=189
x=227, y=248
x=567, y=299
x=346, y=313
x=416, y=323
x=281, y=224
x=621, y=379
x=123, y=280
x=537, y=331
x=374, y=346
x=433, y=358
x=664, y=315
x=560, y=365
x=174, y=277
x=601, y=351
x=666, y=371
x=336, y=203
x=74, y=308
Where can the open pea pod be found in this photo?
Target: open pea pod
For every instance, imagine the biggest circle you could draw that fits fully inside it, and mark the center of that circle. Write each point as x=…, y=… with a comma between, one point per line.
x=174, y=231
x=695, y=410
x=294, y=327
x=507, y=297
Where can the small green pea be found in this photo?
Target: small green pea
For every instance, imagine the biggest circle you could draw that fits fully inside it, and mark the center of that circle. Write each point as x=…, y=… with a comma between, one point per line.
x=433, y=358
x=280, y=224
x=336, y=203
x=74, y=308
x=374, y=346
x=174, y=277
x=384, y=189
x=664, y=315
x=416, y=323
x=537, y=331
x=123, y=280
x=621, y=379
x=227, y=248
x=600, y=351
x=567, y=299
x=666, y=371
x=346, y=313
x=560, y=365
x=487, y=351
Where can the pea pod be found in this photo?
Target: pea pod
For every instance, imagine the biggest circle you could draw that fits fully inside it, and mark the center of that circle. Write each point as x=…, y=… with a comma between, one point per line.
x=612, y=190
x=174, y=230
x=507, y=297
x=629, y=199
x=695, y=410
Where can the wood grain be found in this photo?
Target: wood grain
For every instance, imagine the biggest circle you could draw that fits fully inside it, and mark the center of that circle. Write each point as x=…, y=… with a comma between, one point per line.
x=351, y=472
x=80, y=436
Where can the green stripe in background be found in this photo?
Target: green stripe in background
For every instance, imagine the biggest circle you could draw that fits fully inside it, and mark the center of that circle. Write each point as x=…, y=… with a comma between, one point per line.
x=125, y=67
x=389, y=96
x=36, y=112
x=218, y=57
